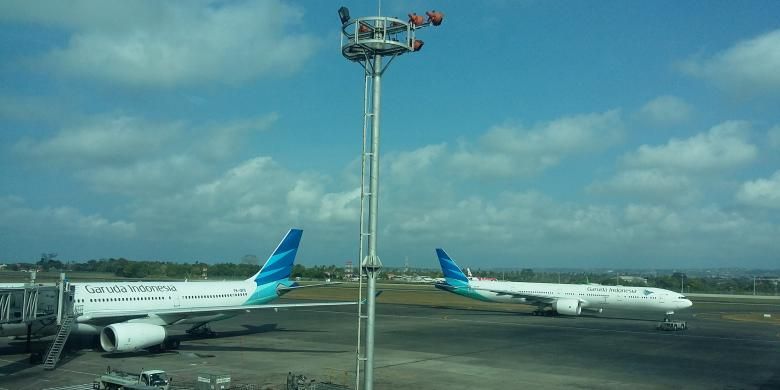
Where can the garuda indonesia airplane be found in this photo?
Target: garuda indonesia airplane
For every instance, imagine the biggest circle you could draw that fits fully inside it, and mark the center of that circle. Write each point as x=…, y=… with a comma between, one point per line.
x=129, y=316
x=568, y=299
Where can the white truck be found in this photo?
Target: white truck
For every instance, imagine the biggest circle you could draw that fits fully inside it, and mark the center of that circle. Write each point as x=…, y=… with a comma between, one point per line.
x=149, y=379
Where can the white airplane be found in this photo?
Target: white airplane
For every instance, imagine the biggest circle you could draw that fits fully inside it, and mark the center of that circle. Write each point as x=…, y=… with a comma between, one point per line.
x=472, y=277
x=129, y=316
x=568, y=299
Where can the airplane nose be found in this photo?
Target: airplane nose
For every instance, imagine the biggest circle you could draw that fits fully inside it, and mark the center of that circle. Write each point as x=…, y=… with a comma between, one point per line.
x=688, y=303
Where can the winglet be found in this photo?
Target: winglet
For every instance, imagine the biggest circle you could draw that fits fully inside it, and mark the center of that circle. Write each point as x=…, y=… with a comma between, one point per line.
x=452, y=273
x=279, y=265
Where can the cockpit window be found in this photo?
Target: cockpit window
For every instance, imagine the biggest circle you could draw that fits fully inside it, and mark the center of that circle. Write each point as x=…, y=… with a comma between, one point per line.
x=681, y=297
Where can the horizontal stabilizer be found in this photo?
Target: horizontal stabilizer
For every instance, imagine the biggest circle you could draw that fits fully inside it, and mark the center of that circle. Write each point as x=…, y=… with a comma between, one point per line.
x=298, y=287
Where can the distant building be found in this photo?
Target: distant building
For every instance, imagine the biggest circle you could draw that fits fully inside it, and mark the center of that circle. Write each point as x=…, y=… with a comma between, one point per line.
x=632, y=279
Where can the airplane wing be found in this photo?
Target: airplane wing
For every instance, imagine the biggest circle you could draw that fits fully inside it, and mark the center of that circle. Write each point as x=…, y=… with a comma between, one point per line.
x=284, y=288
x=175, y=314
x=530, y=298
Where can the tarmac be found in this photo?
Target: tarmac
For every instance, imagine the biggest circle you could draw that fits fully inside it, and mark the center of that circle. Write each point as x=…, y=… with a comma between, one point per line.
x=729, y=345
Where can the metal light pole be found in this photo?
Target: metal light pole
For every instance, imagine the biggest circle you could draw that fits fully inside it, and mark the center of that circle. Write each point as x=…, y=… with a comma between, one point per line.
x=366, y=41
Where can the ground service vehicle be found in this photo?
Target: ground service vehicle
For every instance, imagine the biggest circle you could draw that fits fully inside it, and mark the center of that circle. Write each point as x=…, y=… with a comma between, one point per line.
x=115, y=379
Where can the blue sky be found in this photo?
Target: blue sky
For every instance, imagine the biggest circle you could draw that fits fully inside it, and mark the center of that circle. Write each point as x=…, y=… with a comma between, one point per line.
x=524, y=134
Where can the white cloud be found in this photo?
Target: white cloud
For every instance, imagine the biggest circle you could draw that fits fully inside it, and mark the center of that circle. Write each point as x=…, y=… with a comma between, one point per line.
x=658, y=219
x=761, y=192
x=666, y=110
x=254, y=195
x=83, y=14
x=406, y=166
x=528, y=227
x=340, y=207
x=507, y=151
x=35, y=109
x=168, y=44
x=22, y=220
x=130, y=156
x=220, y=141
x=652, y=184
x=724, y=146
x=773, y=136
x=105, y=141
x=146, y=177
x=749, y=66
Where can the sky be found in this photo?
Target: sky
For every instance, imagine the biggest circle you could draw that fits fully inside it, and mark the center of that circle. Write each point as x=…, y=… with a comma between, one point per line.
x=523, y=134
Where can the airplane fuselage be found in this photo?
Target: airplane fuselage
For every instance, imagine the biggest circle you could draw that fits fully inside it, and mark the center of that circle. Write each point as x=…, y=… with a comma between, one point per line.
x=105, y=297
x=593, y=297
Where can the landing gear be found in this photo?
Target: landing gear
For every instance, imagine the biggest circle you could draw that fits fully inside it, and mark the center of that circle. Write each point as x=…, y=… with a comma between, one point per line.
x=171, y=343
x=167, y=345
x=201, y=330
x=544, y=313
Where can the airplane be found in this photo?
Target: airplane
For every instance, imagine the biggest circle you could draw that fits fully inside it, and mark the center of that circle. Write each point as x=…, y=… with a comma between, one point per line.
x=472, y=277
x=130, y=316
x=567, y=299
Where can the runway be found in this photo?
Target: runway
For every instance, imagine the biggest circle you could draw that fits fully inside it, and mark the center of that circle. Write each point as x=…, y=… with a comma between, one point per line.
x=453, y=348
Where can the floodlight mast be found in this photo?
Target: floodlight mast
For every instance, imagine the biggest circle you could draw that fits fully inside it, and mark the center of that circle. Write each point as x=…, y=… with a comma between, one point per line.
x=367, y=41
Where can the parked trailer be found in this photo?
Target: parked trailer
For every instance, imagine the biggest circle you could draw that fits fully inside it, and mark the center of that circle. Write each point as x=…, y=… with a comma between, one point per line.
x=672, y=325
x=212, y=382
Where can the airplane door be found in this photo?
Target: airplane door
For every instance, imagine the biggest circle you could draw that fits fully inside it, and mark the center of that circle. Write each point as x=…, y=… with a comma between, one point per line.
x=176, y=301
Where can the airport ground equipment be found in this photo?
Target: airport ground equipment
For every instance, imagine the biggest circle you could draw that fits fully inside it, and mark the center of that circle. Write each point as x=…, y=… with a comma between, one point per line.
x=672, y=325
x=117, y=379
x=366, y=41
x=301, y=382
x=42, y=309
x=56, y=347
x=212, y=382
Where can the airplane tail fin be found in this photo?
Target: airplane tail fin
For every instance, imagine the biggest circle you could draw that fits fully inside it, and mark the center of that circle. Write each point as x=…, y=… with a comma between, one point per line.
x=279, y=265
x=452, y=273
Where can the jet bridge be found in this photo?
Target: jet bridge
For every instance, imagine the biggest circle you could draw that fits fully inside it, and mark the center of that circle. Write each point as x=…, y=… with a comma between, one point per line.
x=38, y=306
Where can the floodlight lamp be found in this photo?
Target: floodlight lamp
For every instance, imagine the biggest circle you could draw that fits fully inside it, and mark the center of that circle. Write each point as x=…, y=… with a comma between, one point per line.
x=416, y=20
x=417, y=45
x=344, y=14
x=434, y=17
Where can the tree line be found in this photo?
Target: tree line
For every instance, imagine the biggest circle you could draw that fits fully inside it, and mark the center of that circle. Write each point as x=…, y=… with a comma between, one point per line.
x=125, y=268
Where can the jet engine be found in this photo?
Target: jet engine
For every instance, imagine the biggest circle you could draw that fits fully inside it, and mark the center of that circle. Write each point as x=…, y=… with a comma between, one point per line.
x=569, y=307
x=128, y=337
